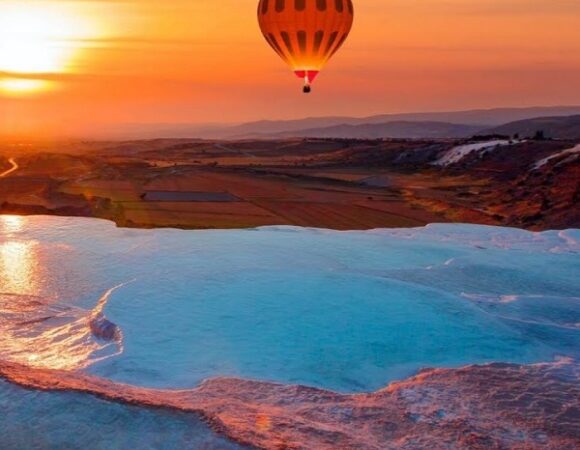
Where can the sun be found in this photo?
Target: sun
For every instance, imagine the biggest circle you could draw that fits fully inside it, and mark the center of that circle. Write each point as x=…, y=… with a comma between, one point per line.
x=36, y=38
x=31, y=39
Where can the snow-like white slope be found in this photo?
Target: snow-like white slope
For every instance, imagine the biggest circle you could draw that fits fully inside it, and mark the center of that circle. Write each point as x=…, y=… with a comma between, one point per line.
x=456, y=154
x=571, y=151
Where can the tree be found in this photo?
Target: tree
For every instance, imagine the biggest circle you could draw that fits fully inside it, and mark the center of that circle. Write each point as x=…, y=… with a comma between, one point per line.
x=539, y=136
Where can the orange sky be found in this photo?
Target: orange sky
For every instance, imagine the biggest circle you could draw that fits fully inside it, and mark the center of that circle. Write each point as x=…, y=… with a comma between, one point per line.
x=201, y=61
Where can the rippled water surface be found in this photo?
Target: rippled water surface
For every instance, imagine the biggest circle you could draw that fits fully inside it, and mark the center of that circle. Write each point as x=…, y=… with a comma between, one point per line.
x=345, y=311
x=42, y=420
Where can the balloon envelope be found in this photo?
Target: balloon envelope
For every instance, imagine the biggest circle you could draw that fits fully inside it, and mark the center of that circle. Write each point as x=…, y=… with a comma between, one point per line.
x=306, y=33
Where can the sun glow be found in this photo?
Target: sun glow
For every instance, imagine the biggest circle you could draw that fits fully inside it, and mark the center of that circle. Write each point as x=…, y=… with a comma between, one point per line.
x=18, y=86
x=37, y=40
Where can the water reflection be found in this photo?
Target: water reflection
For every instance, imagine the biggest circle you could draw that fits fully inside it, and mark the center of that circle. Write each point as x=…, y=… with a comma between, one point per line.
x=36, y=330
x=18, y=267
x=10, y=225
x=39, y=333
x=18, y=258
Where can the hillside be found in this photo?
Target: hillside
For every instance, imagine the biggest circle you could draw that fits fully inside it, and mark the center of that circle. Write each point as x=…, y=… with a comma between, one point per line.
x=397, y=130
x=323, y=183
x=553, y=127
x=484, y=118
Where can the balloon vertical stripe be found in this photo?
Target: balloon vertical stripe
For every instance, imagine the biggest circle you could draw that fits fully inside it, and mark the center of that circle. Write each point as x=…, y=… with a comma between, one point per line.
x=306, y=33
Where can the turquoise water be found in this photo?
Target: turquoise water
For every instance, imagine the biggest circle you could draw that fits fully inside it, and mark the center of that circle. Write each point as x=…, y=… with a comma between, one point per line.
x=344, y=311
x=42, y=420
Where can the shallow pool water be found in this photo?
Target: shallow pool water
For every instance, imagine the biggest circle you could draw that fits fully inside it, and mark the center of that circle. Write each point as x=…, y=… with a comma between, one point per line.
x=348, y=311
x=43, y=420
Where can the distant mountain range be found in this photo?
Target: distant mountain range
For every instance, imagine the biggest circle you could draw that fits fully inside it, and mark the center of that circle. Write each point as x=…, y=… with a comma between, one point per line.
x=565, y=127
x=399, y=129
x=409, y=125
x=446, y=122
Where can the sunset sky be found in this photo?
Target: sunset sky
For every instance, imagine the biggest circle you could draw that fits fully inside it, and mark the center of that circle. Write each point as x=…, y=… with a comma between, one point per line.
x=90, y=68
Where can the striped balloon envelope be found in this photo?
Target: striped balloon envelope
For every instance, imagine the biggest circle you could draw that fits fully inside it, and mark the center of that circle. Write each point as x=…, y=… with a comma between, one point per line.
x=306, y=33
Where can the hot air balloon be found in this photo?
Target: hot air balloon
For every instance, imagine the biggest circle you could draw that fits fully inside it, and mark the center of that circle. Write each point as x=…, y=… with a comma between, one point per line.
x=306, y=33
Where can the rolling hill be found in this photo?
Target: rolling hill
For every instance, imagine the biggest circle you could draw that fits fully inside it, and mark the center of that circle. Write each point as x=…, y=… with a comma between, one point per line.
x=399, y=129
x=482, y=118
x=553, y=127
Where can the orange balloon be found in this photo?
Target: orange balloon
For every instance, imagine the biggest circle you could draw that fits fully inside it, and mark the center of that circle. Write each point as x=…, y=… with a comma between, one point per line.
x=306, y=33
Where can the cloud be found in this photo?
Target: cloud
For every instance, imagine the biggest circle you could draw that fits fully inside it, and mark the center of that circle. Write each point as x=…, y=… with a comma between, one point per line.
x=502, y=7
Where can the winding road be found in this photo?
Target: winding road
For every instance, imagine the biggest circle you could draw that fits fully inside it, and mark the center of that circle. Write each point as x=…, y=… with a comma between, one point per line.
x=14, y=168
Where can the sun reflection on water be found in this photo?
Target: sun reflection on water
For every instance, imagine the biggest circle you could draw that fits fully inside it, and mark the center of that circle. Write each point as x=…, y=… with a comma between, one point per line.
x=11, y=224
x=18, y=258
x=18, y=267
x=35, y=330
